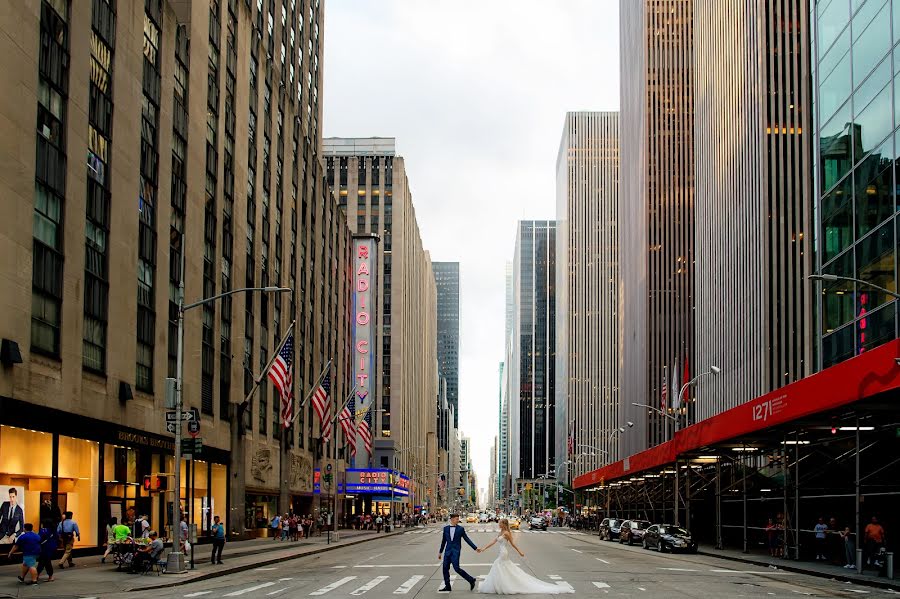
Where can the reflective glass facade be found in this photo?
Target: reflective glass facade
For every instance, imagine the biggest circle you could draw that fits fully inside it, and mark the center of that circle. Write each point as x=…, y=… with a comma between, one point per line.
x=856, y=59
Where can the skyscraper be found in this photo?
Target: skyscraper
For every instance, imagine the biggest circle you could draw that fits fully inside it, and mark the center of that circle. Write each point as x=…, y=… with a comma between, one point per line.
x=752, y=204
x=533, y=364
x=855, y=162
x=370, y=181
x=656, y=215
x=502, y=434
x=446, y=278
x=587, y=288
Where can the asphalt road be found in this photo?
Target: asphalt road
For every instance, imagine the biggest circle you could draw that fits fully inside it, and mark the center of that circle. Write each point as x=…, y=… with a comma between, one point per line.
x=407, y=565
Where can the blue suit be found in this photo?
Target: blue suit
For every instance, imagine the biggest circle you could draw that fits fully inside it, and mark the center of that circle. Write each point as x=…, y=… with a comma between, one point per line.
x=451, y=556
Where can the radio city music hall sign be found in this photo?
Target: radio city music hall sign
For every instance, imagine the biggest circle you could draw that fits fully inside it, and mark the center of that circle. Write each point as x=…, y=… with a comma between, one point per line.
x=364, y=254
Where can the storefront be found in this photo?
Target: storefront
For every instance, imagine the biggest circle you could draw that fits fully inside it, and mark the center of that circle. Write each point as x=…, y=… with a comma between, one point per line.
x=371, y=491
x=98, y=474
x=260, y=508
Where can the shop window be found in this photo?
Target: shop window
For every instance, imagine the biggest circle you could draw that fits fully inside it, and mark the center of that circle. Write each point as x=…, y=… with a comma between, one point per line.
x=79, y=477
x=26, y=467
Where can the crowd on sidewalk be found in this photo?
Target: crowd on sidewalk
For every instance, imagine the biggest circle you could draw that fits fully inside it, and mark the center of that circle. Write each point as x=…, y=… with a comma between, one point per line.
x=39, y=548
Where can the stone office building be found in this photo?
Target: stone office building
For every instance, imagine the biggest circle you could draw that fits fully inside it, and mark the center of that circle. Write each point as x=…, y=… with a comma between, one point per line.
x=218, y=139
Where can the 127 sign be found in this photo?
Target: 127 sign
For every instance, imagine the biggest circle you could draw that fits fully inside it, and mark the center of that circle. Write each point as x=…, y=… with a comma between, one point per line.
x=765, y=410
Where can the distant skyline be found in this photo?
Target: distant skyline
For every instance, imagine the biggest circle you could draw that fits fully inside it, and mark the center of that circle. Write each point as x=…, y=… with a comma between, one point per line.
x=476, y=95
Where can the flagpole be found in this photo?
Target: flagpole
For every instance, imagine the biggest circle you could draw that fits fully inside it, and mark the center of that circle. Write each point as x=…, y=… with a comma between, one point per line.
x=285, y=502
x=312, y=390
x=262, y=375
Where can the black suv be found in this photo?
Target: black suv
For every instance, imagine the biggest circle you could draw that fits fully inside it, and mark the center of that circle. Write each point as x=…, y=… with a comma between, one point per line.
x=632, y=531
x=610, y=528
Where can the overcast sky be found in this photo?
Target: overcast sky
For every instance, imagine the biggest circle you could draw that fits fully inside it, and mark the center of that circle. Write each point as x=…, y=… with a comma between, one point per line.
x=475, y=92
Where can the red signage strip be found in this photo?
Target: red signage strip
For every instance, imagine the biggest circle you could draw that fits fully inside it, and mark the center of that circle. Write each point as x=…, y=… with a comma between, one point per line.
x=869, y=374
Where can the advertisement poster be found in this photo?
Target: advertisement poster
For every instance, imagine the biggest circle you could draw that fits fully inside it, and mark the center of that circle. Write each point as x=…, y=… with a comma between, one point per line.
x=12, y=514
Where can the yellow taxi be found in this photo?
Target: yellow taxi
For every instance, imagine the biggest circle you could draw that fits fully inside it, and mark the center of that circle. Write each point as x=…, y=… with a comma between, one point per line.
x=471, y=519
x=514, y=523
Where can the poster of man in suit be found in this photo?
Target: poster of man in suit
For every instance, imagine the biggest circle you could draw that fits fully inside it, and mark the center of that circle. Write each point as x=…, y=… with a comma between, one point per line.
x=12, y=515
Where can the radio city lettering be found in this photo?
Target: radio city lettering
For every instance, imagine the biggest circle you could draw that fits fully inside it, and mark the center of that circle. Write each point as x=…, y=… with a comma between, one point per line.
x=365, y=269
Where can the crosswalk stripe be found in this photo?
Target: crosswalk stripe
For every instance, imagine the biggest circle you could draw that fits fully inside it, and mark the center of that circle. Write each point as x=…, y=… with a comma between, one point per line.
x=334, y=585
x=564, y=584
x=370, y=585
x=554, y=577
x=198, y=593
x=601, y=585
x=407, y=586
x=275, y=592
x=249, y=589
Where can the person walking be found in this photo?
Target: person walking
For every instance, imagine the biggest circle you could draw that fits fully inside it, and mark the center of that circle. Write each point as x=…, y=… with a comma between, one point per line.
x=218, y=542
x=185, y=538
x=68, y=531
x=821, y=528
x=451, y=540
x=874, y=539
x=275, y=524
x=378, y=523
x=849, y=549
x=49, y=543
x=772, y=537
x=110, y=538
x=29, y=543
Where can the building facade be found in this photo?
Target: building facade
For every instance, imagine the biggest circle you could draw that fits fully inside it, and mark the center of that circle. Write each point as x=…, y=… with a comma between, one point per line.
x=446, y=279
x=532, y=422
x=656, y=215
x=371, y=185
x=587, y=288
x=752, y=203
x=855, y=120
x=96, y=328
x=502, y=434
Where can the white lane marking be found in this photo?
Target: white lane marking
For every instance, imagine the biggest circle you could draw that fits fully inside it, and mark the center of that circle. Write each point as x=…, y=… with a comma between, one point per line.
x=264, y=569
x=554, y=576
x=197, y=594
x=407, y=586
x=601, y=585
x=368, y=559
x=727, y=571
x=602, y=560
x=275, y=592
x=338, y=567
x=249, y=589
x=576, y=550
x=641, y=589
x=284, y=579
x=333, y=585
x=679, y=569
x=860, y=591
x=370, y=585
x=412, y=565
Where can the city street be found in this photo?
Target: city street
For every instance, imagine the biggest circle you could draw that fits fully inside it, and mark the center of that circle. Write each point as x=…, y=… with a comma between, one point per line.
x=407, y=565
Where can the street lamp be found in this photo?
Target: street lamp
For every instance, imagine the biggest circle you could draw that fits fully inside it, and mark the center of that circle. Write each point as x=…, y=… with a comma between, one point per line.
x=615, y=432
x=713, y=370
x=176, y=558
x=660, y=412
x=833, y=278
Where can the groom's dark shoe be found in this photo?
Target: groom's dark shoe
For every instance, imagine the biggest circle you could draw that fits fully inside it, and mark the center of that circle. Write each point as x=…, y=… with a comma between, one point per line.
x=444, y=590
x=472, y=585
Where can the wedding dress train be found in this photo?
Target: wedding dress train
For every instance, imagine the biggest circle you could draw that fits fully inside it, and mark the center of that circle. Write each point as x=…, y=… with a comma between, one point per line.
x=507, y=578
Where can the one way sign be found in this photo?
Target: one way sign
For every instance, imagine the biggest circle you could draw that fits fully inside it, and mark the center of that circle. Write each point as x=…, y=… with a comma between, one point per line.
x=185, y=415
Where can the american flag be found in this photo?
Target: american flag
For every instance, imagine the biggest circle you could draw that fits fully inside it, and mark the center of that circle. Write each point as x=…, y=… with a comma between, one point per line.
x=281, y=375
x=665, y=390
x=322, y=405
x=365, y=431
x=347, y=421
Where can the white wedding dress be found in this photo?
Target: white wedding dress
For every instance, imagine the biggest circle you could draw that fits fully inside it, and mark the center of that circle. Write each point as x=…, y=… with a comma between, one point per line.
x=507, y=578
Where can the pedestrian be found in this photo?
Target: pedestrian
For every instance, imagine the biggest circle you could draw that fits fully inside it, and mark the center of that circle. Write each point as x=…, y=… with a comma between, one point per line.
x=29, y=543
x=185, y=537
x=849, y=549
x=49, y=543
x=145, y=526
x=378, y=523
x=275, y=525
x=320, y=524
x=821, y=528
x=771, y=537
x=293, y=527
x=874, y=539
x=110, y=538
x=218, y=542
x=833, y=543
x=69, y=533
x=148, y=553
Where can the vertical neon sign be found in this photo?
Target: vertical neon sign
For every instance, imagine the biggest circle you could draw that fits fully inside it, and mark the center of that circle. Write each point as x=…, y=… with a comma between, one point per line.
x=365, y=255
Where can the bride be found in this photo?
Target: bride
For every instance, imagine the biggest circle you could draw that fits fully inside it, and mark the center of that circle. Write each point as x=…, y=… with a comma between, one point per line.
x=506, y=578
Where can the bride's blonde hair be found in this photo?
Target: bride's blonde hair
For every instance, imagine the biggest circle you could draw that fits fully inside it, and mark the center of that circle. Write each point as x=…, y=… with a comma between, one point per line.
x=504, y=524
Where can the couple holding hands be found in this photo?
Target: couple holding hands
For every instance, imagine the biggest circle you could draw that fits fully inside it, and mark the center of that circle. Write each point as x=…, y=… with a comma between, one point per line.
x=505, y=576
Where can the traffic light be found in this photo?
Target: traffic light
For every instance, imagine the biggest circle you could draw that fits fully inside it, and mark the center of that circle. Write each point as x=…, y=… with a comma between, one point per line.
x=155, y=483
x=148, y=482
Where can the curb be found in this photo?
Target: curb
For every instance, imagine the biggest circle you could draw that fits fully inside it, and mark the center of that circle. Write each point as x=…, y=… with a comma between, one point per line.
x=259, y=564
x=877, y=583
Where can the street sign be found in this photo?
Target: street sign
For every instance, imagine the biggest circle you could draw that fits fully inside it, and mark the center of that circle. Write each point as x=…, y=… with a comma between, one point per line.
x=170, y=427
x=191, y=447
x=185, y=415
x=193, y=427
x=328, y=468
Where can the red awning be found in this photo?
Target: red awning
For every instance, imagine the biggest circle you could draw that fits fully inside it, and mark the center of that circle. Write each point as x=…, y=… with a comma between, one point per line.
x=866, y=375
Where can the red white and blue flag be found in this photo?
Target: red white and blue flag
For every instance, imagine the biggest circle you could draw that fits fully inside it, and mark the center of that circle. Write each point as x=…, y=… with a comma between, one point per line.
x=365, y=431
x=281, y=374
x=322, y=405
x=347, y=424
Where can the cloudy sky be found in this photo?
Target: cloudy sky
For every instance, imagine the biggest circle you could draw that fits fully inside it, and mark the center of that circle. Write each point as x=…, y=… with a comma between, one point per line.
x=475, y=92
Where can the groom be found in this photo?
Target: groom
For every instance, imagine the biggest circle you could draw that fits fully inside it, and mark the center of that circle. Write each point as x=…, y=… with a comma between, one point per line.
x=452, y=541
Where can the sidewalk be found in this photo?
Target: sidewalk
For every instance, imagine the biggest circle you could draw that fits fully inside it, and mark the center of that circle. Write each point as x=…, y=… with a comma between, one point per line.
x=821, y=569
x=90, y=577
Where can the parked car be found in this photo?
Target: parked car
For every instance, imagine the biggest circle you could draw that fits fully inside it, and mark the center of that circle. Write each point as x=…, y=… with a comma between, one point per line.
x=514, y=523
x=610, y=528
x=668, y=537
x=538, y=523
x=632, y=531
